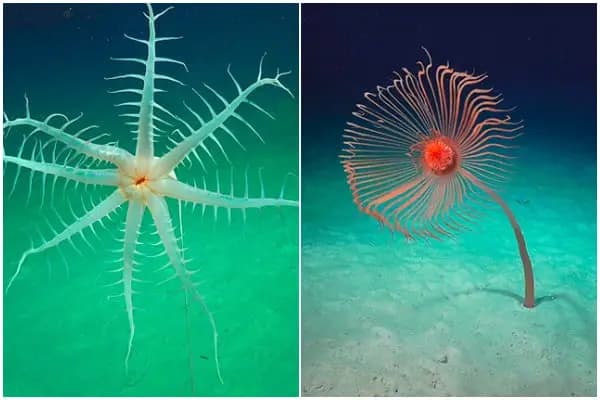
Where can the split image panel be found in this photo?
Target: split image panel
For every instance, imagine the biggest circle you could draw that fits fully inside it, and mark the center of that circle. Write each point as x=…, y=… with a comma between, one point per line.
x=448, y=200
x=196, y=205
x=163, y=260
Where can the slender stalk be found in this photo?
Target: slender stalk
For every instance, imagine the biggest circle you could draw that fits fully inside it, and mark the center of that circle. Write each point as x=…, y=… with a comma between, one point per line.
x=529, y=301
x=189, y=342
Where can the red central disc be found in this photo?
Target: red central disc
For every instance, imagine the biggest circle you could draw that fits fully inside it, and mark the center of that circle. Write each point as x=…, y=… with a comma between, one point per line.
x=439, y=157
x=141, y=180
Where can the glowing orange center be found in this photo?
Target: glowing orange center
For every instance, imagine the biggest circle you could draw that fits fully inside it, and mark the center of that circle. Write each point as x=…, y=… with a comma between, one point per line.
x=439, y=157
x=141, y=180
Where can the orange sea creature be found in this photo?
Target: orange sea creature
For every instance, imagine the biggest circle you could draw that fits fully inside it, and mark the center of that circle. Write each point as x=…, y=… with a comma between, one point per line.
x=423, y=150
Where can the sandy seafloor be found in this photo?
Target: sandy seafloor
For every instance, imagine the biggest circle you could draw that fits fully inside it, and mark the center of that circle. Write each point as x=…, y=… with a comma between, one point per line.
x=63, y=336
x=381, y=316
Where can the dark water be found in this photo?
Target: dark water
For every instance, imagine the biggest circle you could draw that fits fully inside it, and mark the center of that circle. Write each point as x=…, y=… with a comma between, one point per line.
x=541, y=57
x=62, y=335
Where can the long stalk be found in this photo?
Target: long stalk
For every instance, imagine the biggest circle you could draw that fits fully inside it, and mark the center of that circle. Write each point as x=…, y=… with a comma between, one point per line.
x=529, y=301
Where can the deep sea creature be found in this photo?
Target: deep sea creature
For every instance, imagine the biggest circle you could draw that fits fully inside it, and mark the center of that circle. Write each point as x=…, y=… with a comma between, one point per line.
x=423, y=148
x=143, y=180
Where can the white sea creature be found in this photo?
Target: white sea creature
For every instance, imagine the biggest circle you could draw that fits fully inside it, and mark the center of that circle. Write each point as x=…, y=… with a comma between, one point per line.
x=143, y=180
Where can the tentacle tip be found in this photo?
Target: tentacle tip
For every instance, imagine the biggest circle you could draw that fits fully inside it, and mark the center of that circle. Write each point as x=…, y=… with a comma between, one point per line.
x=288, y=91
x=285, y=73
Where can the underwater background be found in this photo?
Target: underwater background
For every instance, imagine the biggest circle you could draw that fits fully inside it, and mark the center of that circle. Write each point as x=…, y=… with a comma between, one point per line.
x=63, y=335
x=381, y=316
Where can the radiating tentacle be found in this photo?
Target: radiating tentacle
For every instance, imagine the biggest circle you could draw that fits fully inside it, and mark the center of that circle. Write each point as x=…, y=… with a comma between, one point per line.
x=182, y=191
x=108, y=177
x=145, y=118
x=145, y=144
x=135, y=213
x=170, y=160
x=112, y=154
x=96, y=214
x=160, y=213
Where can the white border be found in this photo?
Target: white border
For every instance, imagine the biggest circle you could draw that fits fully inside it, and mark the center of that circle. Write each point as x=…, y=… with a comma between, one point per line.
x=300, y=147
x=299, y=200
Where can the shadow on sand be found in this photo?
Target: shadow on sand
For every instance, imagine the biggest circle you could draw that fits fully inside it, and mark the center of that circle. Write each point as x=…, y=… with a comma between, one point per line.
x=585, y=316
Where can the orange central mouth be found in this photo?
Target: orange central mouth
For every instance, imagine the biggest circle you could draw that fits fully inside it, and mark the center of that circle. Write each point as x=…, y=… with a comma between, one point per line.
x=439, y=157
x=141, y=180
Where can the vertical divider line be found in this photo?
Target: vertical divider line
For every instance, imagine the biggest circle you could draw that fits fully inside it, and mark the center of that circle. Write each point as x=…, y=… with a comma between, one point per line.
x=299, y=198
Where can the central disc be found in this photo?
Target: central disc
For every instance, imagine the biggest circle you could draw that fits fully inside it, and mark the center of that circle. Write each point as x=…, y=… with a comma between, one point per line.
x=141, y=180
x=439, y=157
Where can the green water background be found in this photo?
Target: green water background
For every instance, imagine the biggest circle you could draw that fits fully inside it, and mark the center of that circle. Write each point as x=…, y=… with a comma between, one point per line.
x=62, y=336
